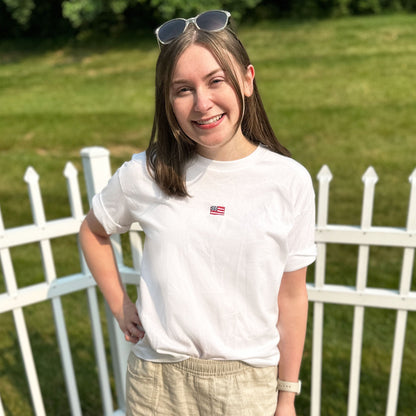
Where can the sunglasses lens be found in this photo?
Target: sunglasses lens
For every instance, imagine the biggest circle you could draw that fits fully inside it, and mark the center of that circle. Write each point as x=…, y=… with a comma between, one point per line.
x=171, y=30
x=212, y=21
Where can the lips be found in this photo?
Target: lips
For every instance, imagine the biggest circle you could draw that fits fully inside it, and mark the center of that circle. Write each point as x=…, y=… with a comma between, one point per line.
x=213, y=121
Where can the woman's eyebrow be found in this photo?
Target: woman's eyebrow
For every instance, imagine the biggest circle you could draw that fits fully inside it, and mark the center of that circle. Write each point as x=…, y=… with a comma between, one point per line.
x=210, y=74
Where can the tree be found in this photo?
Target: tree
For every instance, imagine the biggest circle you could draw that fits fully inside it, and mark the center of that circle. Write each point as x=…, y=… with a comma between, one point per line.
x=20, y=10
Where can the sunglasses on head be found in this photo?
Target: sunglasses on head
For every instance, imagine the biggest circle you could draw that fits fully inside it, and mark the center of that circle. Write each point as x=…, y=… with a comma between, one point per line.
x=210, y=21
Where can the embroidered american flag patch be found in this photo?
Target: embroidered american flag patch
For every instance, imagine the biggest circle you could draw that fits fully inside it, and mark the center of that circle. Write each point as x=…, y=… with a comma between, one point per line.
x=216, y=210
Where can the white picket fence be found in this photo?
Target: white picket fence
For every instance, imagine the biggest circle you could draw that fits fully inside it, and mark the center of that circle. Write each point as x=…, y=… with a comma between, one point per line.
x=360, y=296
x=97, y=171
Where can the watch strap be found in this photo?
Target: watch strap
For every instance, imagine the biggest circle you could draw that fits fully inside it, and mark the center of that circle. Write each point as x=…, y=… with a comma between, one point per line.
x=289, y=386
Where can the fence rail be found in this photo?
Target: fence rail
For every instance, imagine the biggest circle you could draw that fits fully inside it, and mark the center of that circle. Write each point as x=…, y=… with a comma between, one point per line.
x=97, y=172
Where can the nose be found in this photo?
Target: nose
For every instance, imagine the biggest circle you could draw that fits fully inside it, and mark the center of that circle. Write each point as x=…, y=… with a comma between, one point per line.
x=202, y=101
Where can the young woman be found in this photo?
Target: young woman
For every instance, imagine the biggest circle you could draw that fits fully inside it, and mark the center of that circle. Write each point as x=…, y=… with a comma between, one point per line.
x=219, y=325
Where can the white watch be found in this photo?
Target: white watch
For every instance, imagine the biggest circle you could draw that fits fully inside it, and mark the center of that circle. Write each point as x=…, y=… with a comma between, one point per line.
x=289, y=386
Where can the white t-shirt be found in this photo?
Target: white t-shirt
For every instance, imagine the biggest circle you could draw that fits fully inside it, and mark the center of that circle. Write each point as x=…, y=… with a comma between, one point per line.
x=213, y=262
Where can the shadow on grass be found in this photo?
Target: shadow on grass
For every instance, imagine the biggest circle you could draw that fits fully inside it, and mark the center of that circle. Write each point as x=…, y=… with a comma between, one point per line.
x=77, y=48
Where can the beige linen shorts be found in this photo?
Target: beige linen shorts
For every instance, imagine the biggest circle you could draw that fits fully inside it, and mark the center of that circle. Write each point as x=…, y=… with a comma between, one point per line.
x=200, y=388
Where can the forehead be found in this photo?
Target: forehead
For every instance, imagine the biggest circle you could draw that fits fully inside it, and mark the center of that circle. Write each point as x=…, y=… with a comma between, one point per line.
x=195, y=59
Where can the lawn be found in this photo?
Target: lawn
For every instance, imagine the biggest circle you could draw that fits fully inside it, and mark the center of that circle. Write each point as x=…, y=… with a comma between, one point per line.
x=338, y=92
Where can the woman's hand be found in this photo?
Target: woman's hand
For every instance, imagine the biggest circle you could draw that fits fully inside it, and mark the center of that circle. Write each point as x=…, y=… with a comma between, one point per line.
x=285, y=404
x=129, y=321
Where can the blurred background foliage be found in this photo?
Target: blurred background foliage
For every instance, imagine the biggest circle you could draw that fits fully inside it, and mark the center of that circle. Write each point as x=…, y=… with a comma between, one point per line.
x=45, y=18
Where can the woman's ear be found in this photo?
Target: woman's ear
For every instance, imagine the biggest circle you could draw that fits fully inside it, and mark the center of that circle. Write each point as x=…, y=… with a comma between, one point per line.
x=249, y=81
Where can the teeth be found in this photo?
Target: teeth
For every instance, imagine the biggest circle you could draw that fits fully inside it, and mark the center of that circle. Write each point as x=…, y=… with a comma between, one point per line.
x=211, y=120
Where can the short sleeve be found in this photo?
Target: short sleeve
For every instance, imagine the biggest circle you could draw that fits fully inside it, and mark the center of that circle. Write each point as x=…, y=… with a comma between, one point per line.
x=301, y=239
x=111, y=207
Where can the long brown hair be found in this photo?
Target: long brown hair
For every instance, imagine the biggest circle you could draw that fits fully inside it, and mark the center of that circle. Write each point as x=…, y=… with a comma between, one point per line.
x=169, y=148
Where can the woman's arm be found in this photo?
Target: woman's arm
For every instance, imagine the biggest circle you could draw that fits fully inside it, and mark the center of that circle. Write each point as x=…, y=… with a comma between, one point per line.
x=98, y=251
x=293, y=315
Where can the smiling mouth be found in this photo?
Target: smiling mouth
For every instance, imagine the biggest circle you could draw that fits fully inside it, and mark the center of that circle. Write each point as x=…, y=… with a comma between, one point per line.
x=209, y=121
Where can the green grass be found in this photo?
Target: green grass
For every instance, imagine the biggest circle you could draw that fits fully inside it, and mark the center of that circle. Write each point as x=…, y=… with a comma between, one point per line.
x=338, y=92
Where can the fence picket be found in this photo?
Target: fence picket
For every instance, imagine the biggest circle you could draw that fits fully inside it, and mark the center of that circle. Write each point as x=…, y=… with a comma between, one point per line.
x=21, y=329
x=74, y=194
x=411, y=218
x=324, y=178
x=401, y=318
x=38, y=213
x=370, y=179
x=96, y=164
x=71, y=175
x=100, y=355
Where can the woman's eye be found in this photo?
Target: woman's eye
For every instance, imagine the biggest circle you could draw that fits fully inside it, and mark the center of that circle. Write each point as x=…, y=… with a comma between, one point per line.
x=217, y=81
x=182, y=90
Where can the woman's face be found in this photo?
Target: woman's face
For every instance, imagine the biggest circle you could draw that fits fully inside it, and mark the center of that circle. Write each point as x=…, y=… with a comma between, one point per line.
x=206, y=106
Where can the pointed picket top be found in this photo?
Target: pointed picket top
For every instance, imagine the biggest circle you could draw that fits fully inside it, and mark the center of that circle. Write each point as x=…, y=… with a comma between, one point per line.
x=70, y=170
x=325, y=174
x=31, y=176
x=370, y=178
x=325, y=177
x=74, y=194
x=32, y=179
x=411, y=218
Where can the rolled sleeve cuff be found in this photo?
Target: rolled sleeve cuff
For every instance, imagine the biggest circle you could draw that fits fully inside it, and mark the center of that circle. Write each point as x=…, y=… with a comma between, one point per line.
x=301, y=259
x=104, y=218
